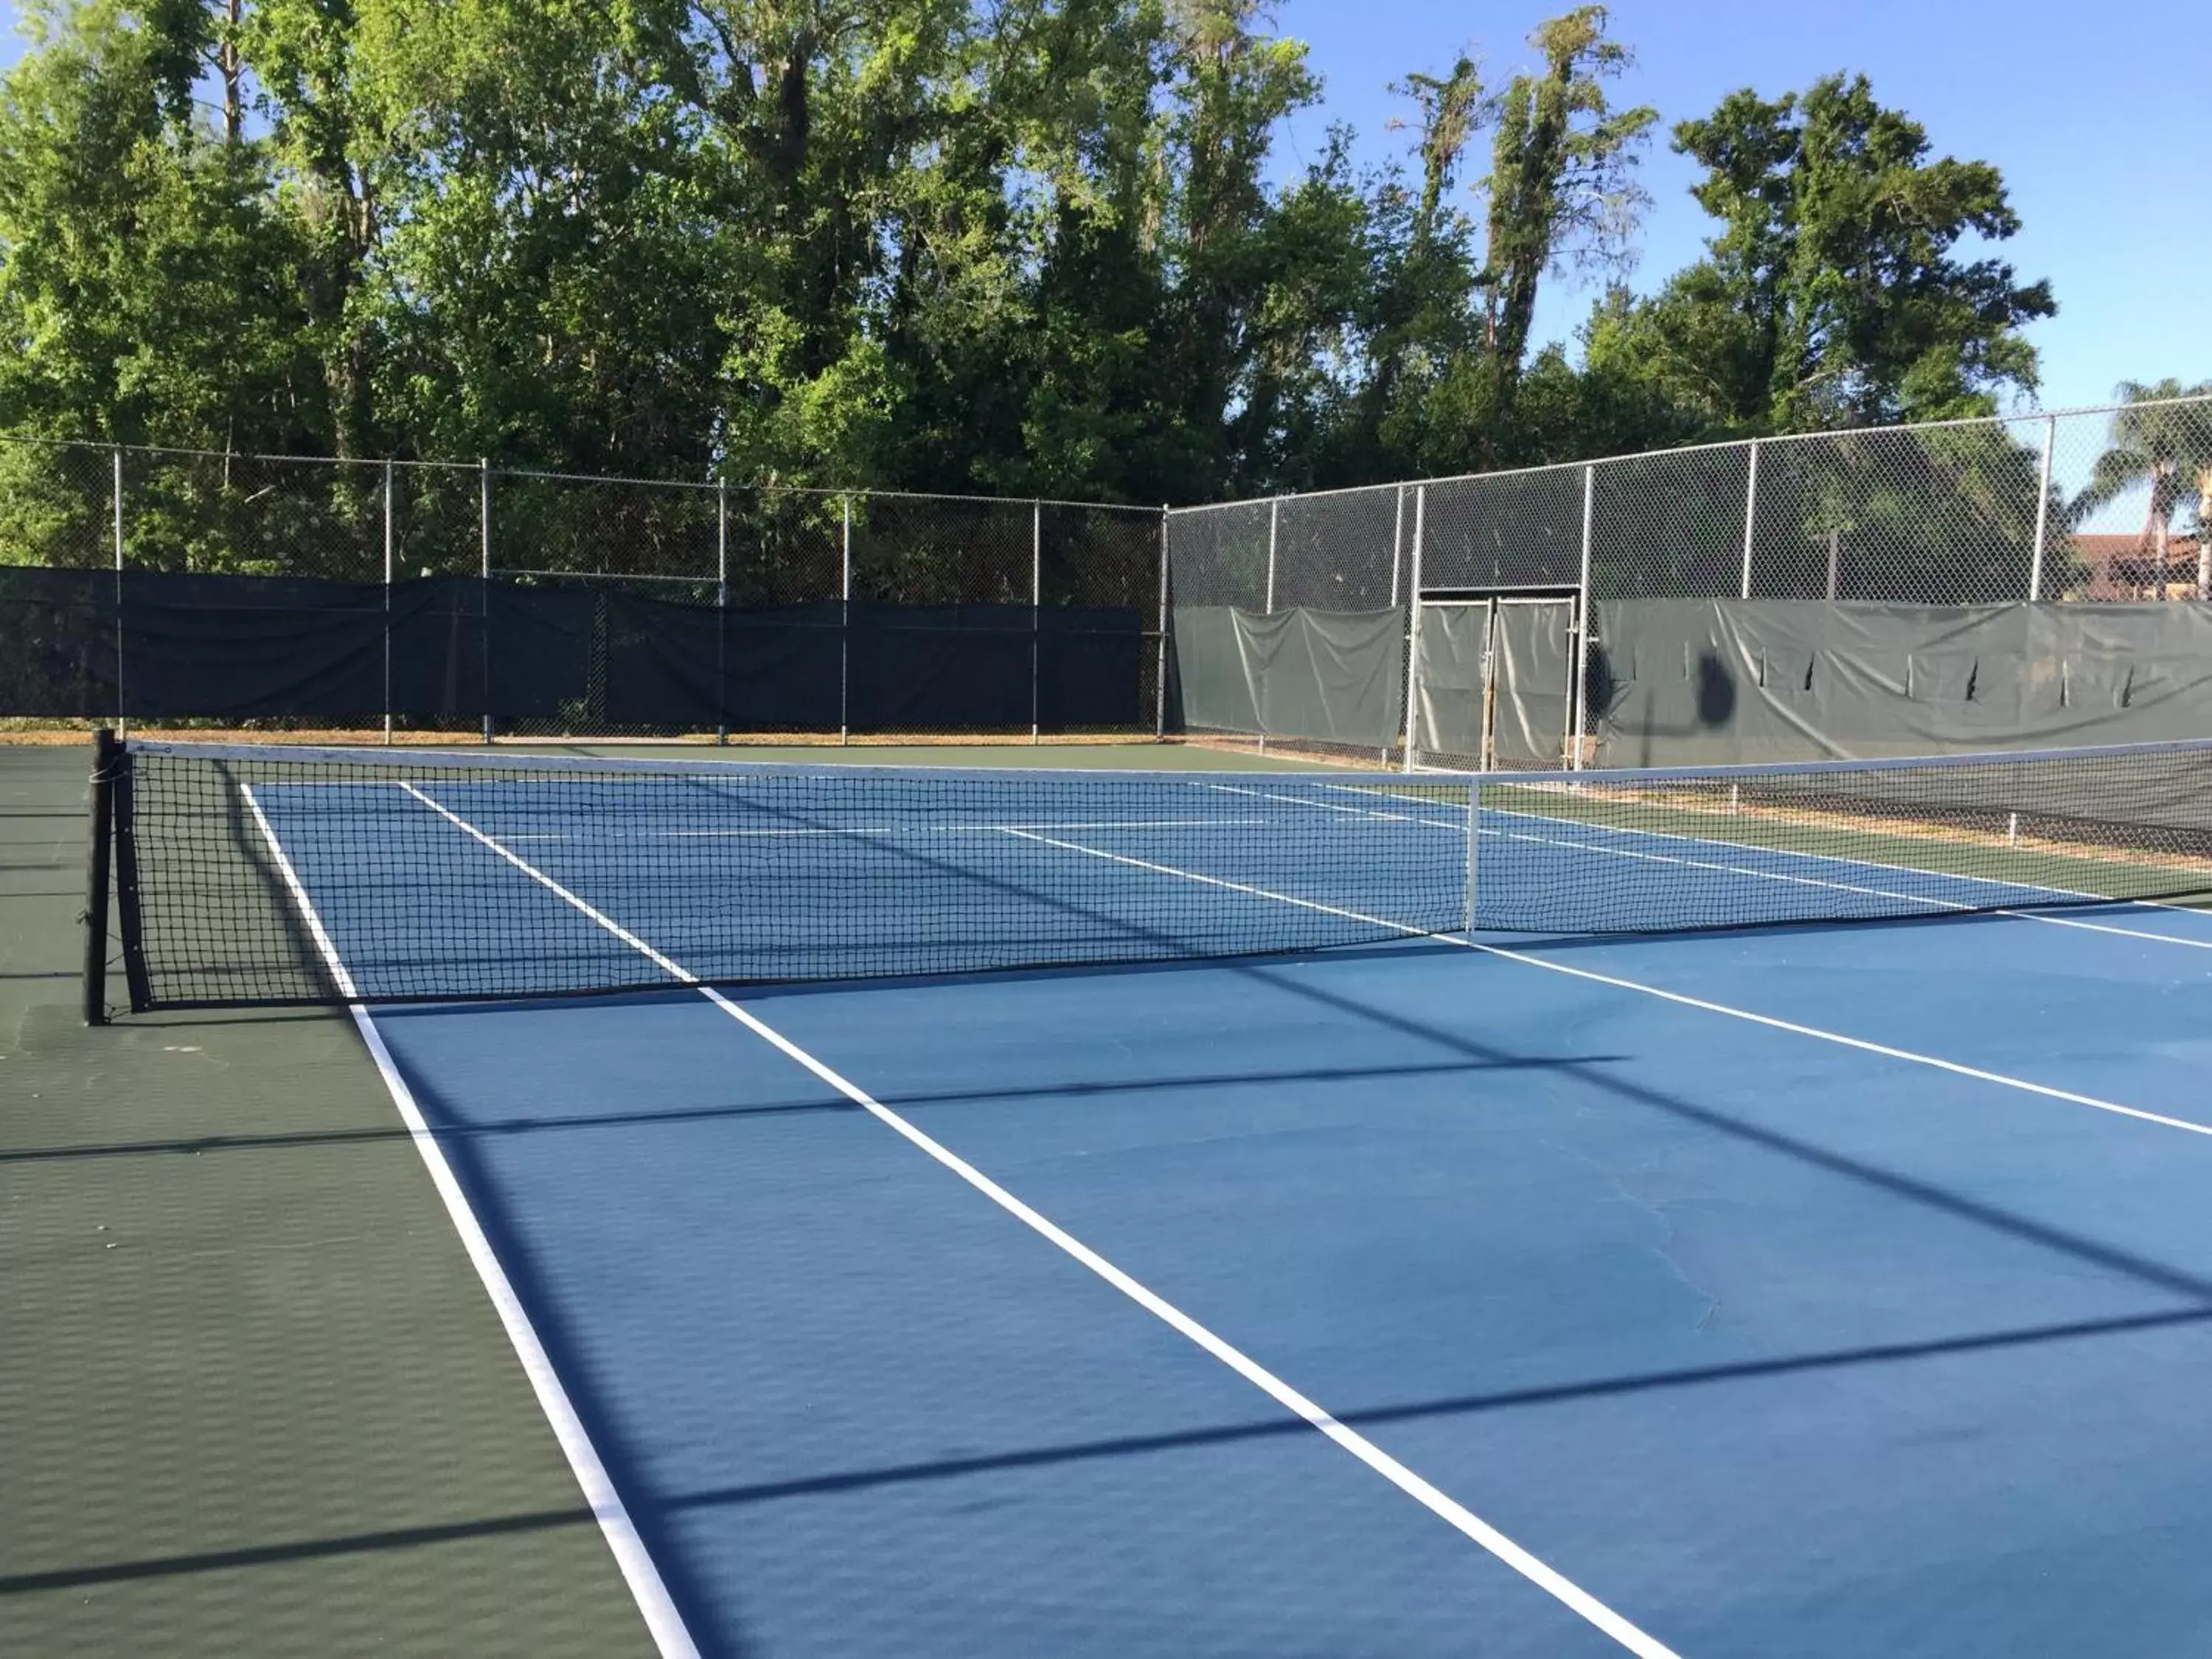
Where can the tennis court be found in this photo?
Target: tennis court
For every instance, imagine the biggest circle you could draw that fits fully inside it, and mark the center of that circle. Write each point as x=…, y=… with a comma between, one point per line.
x=1298, y=1212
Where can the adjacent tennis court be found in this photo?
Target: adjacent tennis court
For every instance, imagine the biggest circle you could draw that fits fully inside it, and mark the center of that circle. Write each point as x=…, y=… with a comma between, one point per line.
x=1301, y=1212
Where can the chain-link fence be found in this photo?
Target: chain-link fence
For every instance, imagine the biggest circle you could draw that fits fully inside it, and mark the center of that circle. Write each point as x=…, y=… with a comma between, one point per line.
x=1367, y=620
x=2100, y=505
x=541, y=604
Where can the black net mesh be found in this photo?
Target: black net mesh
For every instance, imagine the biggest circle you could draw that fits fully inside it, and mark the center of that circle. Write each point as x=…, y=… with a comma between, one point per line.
x=256, y=875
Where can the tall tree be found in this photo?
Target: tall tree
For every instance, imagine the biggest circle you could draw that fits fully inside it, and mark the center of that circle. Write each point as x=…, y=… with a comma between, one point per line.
x=1833, y=294
x=1562, y=183
x=147, y=283
x=1418, y=320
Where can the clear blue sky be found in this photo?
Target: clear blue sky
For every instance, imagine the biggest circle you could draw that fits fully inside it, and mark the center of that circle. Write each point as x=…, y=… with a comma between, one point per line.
x=2097, y=115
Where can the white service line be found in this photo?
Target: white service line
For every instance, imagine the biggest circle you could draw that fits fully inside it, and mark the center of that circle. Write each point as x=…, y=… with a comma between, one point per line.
x=1459, y=828
x=1860, y=1043
x=1320, y=806
x=632, y=1559
x=1864, y=864
x=911, y=831
x=1447, y=1509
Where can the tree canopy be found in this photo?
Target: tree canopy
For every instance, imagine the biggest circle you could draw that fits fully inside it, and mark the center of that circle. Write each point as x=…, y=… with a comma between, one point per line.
x=1036, y=247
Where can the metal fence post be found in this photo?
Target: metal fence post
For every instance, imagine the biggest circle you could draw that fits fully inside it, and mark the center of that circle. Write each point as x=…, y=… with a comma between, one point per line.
x=1414, y=631
x=1397, y=549
x=122, y=713
x=1275, y=513
x=845, y=629
x=1397, y=544
x=484, y=538
x=2042, y=509
x=1750, y=519
x=1160, y=669
x=388, y=550
x=721, y=610
x=1036, y=618
x=1582, y=613
x=1274, y=516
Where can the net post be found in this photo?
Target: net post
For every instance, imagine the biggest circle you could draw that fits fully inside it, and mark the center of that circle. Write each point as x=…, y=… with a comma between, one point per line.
x=122, y=710
x=721, y=608
x=1583, y=617
x=1413, y=626
x=1750, y=518
x=104, y=753
x=1474, y=830
x=388, y=562
x=1037, y=617
x=2042, y=509
x=484, y=540
x=128, y=909
x=1160, y=668
x=845, y=626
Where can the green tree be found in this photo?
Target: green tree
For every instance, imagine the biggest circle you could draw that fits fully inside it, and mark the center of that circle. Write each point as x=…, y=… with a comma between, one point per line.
x=1833, y=295
x=1421, y=320
x=1562, y=183
x=1039, y=246
x=148, y=288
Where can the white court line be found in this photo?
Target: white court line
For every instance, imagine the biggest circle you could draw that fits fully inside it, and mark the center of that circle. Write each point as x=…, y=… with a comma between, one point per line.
x=1686, y=1002
x=1950, y=905
x=1447, y=1509
x=634, y=1561
x=1899, y=869
x=911, y=831
x=1318, y=805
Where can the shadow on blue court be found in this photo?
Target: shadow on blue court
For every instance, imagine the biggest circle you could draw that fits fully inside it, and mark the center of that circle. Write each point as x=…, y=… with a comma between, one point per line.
x=1770, y=1344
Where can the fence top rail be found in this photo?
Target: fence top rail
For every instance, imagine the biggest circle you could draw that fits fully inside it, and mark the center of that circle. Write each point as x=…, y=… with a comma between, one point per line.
x=706, y=577
x=2030, y=417
x=1048, y=778
x=2017, y=418
x=102, y=446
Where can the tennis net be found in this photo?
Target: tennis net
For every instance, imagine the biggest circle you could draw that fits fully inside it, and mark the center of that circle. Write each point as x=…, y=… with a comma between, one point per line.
x=263, y=875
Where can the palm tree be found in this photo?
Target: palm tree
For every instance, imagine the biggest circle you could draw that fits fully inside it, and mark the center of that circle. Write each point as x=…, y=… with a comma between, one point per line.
x=2166, y=442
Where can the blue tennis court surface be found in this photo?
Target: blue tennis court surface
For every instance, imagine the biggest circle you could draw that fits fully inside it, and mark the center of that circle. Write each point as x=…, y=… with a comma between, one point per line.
x=1835, y=1291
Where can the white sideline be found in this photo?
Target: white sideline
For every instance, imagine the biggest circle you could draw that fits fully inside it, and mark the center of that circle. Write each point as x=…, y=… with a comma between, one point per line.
x=1448, y=1510
x=1685, y=1000
x=634, y=1561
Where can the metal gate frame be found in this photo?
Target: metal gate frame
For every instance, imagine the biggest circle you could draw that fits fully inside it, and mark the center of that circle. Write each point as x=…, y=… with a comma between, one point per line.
x=1493, y=599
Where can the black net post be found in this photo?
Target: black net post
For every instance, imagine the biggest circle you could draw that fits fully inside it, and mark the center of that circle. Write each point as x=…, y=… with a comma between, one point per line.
x=484, y=540
x=389, y=549
x=845, y=628
x=721, y=610
x=105, y=754
x=122, y=707
x=1036, y=608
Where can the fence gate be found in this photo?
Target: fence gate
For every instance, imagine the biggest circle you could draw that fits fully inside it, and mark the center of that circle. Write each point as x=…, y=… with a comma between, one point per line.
x=1493, y=678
